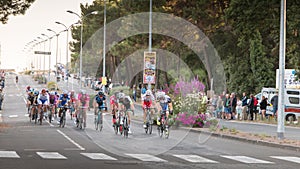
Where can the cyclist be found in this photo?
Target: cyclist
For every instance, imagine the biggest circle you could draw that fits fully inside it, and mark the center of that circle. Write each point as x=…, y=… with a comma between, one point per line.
x=125, y=103
x=114, y=106
x=148, y=101
x=165, y=104
x=43, y=99
x=53, y=101
x=30, y=98
x=99, y=101
x=83, y=103
x=63, y=100
x=73, y=100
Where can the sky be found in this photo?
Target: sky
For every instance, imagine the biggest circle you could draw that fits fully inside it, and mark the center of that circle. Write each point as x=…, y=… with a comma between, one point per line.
x=22, y=29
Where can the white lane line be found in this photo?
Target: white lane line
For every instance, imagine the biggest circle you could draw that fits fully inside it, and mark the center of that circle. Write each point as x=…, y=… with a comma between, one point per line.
x=287, y=158
x=195, y=159
x=247, y=160
x=13, y=116
x=9, y=154
x=51, y=155
x=146, y=157
x=98, y=156
x=72, y=141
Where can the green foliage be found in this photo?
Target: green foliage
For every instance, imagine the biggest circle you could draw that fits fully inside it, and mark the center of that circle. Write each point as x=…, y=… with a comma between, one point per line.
x=245, y=34
x=13, y=7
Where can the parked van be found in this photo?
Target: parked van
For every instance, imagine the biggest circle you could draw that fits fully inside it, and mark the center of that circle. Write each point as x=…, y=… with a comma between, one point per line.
x=291, y=102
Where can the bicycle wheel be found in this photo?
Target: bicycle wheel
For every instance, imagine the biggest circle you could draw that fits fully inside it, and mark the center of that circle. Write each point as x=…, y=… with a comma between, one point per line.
x=116, y=128
x=125, y=127
x=96, y=122
x=100, y=124
x=35, y=113
x=63, y=119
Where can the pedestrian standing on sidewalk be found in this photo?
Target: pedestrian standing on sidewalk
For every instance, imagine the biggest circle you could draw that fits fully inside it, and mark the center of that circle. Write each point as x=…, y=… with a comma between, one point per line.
x=233, y=102
x=251, y=106
x=1, y=98
x=274, y=102
x=263, y=107
x=244, y=106
x=239, y=108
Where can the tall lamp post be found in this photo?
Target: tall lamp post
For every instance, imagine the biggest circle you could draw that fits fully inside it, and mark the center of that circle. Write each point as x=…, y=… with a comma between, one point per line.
x=81, y=29
x=67, y=49
x=104, y=43
x=56, y=71
x=49, y=55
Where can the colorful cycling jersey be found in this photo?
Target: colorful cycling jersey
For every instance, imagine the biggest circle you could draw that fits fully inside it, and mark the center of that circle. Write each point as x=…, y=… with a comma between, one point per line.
x=32, y=99
x=43, y=97
x=100, y=100
x=84, y=100
x=164, y=103
x=126, y=101
x=53, y=99
x=73, y=98
x=147, y=100
x=64, y=99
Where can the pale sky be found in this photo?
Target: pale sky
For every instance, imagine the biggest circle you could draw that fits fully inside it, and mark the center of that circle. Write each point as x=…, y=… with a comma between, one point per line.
x=22, y=29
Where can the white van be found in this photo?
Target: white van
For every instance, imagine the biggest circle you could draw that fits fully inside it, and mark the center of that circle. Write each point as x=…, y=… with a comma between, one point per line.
x=291, y=102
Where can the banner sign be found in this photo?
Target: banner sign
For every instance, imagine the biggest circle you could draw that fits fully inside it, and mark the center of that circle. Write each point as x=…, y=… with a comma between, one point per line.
x=149, y=67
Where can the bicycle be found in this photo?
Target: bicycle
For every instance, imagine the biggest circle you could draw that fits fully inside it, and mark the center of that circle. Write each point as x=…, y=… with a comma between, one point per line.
x=43, y=114
x=162, y=127
x=149, y=121
x=99, y=118
x=118, y=125
x=72, y=109
x=50, y=113
x=80, y=122
x=125, y=123
x=62, y=121
x=33, y=111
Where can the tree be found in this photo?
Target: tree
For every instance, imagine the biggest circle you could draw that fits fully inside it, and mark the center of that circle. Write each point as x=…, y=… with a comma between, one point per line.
x=13, y=7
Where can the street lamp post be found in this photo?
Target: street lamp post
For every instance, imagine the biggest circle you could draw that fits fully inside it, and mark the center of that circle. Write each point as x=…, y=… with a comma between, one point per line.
x=104, y=43
x=49, y=55
x=81, y=29
x=67, y=49
x=56, y=70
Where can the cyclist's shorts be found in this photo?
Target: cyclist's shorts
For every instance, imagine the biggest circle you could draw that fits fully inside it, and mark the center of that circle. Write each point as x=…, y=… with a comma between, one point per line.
x=45, y=102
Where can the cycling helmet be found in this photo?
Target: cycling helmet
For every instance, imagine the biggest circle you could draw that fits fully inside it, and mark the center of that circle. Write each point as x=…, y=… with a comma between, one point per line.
x=52, y=93
x=36, y=92
x=83, y=92
x=160, y=95
x=148, y=92
x=100, y=93
x=65, y=92
x=43, y=90
x=28, y=88
x=121, y=95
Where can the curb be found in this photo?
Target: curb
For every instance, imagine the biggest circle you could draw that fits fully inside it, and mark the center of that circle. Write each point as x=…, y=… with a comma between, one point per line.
x=257, y=142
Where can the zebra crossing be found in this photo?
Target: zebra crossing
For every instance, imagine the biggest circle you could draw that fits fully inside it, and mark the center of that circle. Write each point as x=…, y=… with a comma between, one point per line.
x=192, y=158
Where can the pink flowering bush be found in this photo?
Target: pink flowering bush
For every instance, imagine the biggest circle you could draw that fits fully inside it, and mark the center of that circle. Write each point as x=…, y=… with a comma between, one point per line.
x=198, y=120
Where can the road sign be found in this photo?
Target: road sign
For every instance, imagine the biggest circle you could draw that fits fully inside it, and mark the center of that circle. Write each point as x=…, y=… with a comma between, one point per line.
x=42, y=53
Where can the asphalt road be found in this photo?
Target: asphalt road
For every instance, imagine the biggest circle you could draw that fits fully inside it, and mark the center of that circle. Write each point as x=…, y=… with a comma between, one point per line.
x=27, y=145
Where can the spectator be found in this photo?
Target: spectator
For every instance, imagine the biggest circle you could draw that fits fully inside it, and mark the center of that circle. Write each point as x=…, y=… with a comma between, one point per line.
x=134, y=93
x=219, y=107
x=274, y=102
x=255, y=107
x=233, y=105
x=239, y=108
x=263, y=107
x=244, y=106
x=251, y=106
x=143, y=90
x=227, y=107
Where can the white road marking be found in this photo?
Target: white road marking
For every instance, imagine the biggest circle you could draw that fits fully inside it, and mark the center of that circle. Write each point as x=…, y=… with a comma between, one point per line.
x=146, y=157
x=98, y=156
x=248, y=160
x=51, y=155
x=72, y=141
x=287, y=158
x=195, y=159
x=9, y=154
x=13, y=116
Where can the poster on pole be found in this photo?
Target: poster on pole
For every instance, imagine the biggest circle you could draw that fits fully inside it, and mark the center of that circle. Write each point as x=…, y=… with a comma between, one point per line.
x=149, y=67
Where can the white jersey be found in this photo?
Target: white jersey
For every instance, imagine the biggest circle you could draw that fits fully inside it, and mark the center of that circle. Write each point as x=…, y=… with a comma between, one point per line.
x=151, y=96
x=43, y=97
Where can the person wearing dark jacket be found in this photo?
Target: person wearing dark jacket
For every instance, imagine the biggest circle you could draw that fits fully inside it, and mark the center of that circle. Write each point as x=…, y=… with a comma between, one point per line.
x=251, y=106
x=244, y=106
x=263, y=106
